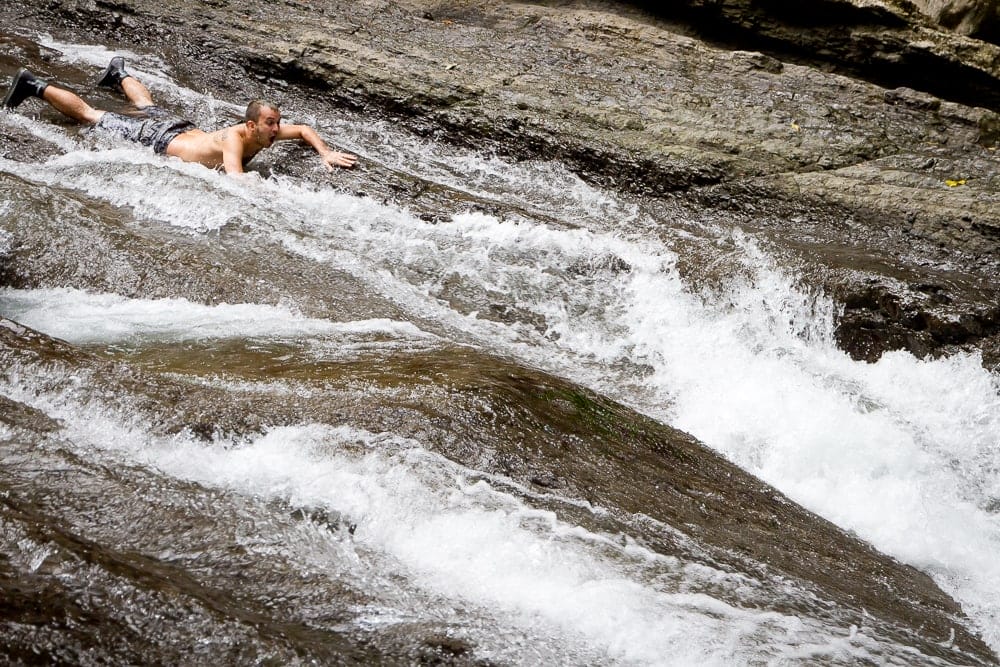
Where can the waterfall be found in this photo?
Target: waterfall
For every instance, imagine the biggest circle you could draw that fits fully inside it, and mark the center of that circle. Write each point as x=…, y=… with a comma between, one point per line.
x=538, y=269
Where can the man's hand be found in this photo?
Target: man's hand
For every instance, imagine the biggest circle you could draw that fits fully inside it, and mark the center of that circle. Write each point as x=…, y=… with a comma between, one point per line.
x=305, y=133
x=337, y=159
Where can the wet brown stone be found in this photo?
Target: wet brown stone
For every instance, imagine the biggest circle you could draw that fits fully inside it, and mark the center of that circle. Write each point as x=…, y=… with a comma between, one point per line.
x=757, y=120
x=787, y=123
x=536, y=429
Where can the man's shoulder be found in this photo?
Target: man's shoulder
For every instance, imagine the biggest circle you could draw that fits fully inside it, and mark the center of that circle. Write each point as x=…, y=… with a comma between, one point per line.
x=239, y=130
x=229, y=133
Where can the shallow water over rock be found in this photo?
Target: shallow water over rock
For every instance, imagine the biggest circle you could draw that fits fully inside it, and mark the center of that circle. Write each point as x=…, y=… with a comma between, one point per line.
x=450, y=408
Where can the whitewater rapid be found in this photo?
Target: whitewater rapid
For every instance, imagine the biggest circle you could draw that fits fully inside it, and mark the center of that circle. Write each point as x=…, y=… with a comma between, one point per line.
x=905, y=453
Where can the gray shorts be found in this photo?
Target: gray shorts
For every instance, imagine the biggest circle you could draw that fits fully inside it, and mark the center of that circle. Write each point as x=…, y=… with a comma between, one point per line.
x=154, y=127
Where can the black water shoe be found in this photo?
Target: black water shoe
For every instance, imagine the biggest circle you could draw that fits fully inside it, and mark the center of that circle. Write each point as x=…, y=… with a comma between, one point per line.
x=22, y=86
x=113, y=75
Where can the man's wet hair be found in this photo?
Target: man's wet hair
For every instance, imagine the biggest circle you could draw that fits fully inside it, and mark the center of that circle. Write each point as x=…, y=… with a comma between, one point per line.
x=253, y=109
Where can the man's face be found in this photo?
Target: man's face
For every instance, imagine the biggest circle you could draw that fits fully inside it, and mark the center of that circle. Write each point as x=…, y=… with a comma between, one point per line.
x=266, y=128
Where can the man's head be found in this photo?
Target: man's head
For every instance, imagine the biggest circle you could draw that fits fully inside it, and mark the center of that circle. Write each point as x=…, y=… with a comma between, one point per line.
x=263, y=120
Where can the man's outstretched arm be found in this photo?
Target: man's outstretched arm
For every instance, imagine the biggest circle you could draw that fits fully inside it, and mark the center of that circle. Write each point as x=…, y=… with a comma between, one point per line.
x=330, y=158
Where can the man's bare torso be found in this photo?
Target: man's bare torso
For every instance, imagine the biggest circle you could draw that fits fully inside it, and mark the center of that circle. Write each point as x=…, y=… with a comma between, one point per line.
x=206, y=148
x=231, y=148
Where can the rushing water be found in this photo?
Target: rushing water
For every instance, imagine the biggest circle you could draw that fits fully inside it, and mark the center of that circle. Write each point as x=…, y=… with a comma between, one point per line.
x=570, y=280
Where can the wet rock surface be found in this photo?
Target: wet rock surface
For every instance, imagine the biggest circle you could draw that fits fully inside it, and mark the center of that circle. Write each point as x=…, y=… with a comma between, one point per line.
x=976, y=18
x=531, y=428
x=877, y=181
x=732, y=110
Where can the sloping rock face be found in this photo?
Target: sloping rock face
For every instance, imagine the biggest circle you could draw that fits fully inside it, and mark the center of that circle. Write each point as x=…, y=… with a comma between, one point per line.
x=857, y=139
x=552, y=434
x=975, y=18
x=891, y=42
x=857, y=136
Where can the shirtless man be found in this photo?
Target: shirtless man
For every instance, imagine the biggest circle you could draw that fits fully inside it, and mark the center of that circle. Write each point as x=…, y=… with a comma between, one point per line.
x=230, y=148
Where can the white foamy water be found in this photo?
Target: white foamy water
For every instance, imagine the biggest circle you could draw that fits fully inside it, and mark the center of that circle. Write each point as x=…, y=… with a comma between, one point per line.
x=574, y=595
x=186, y=196
x=84, y=318
x=885, y=450
x=11, y=120
x=905, y=453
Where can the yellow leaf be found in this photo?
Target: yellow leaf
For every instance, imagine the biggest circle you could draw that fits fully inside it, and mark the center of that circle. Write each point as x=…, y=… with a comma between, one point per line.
x=795, y=126
x=952, y=184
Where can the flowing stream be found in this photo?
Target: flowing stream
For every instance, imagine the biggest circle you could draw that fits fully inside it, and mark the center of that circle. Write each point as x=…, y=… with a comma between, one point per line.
x=567, y=279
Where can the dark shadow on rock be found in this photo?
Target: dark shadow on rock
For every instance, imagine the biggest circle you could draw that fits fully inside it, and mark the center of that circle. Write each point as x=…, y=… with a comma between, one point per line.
x=866, y=42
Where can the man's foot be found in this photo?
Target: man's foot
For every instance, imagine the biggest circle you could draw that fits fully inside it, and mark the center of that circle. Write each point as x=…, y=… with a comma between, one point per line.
x=113, y=75
x=22, y=86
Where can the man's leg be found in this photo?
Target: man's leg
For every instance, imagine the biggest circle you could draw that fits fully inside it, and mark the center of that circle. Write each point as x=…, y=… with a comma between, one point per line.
x=22, y=86
x=25, y=84
x=70, y=104
x=137, y=93
x=115, y=76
